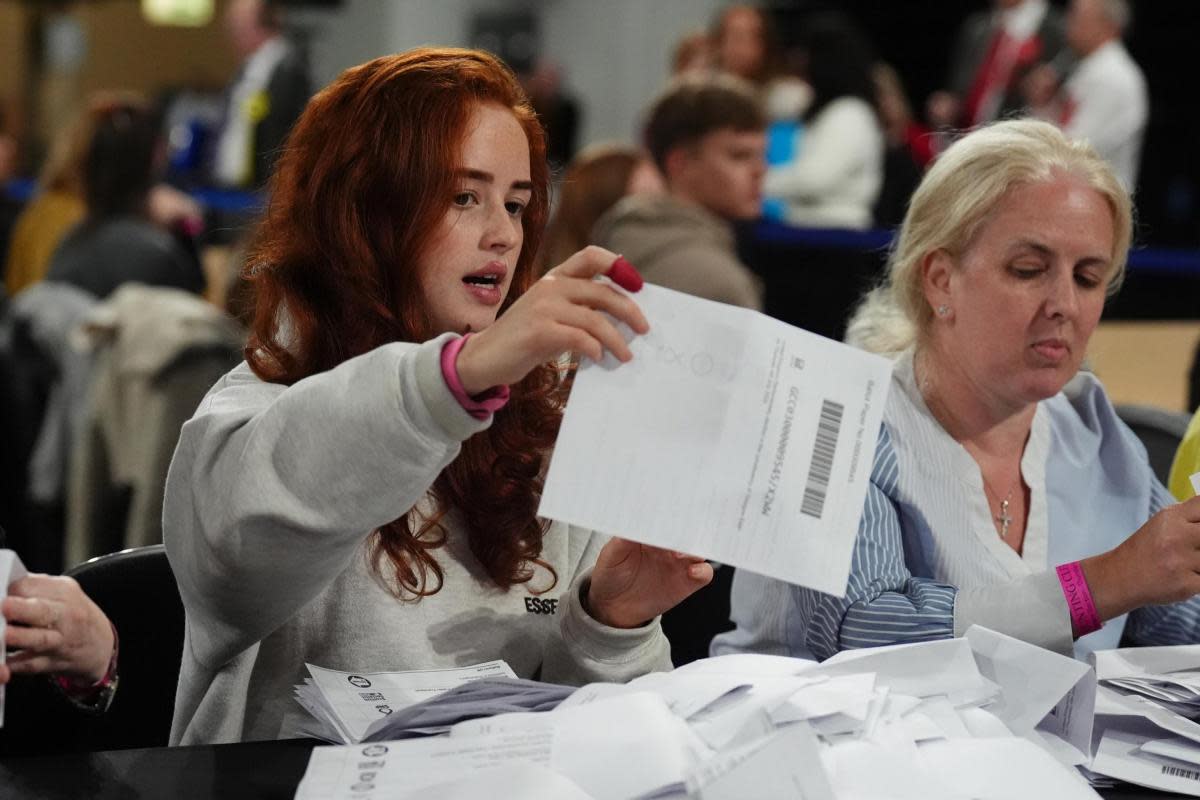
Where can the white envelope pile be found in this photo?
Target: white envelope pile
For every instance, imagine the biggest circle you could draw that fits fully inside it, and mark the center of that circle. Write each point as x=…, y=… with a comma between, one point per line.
x=348, y=707
x=984, y=716
x=1145, y=705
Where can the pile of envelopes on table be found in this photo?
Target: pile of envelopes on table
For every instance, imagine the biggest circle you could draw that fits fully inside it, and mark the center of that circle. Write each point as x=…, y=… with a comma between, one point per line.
x=981, y=716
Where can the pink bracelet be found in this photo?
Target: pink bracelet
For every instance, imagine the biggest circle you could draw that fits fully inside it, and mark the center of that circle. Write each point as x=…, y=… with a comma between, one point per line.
x=481, y=406
x=1084, y=618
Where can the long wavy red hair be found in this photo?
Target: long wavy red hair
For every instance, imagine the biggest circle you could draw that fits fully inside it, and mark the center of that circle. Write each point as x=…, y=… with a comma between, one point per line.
x=363, y=182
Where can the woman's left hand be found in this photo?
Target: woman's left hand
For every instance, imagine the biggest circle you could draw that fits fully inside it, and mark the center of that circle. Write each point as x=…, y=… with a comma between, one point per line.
x=633, y=583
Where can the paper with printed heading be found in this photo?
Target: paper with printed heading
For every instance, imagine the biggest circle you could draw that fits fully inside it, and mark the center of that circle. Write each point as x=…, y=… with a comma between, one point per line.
x=730, y=435
x=349, y=707
x=11, y=570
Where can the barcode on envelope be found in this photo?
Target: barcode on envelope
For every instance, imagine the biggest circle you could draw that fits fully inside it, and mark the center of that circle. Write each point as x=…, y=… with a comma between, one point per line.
x=815, y=488
x=1177, y=772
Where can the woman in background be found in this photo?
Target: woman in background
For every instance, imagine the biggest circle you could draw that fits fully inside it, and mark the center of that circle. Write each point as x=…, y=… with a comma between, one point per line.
x=593, y=183
x=835, y=178
x=54, y=210
x=118, y=240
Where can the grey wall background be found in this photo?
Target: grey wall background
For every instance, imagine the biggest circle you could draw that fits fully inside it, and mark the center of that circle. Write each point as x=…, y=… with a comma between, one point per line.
x=614, y=53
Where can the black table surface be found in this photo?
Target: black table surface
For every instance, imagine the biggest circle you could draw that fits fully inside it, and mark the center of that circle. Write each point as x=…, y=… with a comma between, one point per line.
x=247, y=771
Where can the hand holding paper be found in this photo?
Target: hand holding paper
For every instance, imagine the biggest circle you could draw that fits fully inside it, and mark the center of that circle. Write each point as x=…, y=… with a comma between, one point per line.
x=559, y=313
x=633, y=583
x=729, y=435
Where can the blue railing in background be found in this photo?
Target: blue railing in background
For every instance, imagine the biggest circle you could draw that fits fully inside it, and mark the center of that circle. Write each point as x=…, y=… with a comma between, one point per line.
x=1161, y=260
x=217, y=199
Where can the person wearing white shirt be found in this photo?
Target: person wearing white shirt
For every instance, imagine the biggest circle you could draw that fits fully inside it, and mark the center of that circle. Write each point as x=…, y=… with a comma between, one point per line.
x=1104, y=100
x=265, y=99
x=835, y=178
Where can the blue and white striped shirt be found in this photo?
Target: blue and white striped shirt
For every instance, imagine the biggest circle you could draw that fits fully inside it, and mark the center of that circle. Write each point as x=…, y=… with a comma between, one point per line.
x=927, y=562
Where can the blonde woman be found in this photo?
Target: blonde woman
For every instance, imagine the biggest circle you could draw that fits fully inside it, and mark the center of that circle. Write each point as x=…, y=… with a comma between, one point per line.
x=1005, y=490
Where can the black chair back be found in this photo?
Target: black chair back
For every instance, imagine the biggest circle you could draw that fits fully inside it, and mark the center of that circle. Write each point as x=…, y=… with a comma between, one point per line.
x=1160, y=430
x=137, y=590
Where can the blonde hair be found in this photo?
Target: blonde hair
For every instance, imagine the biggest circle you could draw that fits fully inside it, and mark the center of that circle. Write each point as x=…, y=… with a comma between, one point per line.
x=957, y=194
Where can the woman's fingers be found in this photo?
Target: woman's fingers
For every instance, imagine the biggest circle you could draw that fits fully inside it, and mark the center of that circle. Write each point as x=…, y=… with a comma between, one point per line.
x=33, y=611
x=30, y=663
x=32, y=640
x=592, y=261
x=587, y=263
x=600, y=297
x=598, y=327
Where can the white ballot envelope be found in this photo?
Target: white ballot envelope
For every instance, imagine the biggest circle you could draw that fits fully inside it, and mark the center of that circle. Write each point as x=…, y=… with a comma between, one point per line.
x=730, y=436
x=350, y=707
x=1039, y=688
x=11, y=569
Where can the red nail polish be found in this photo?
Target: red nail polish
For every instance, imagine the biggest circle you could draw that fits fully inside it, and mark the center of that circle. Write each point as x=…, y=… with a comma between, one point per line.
x=624, y=275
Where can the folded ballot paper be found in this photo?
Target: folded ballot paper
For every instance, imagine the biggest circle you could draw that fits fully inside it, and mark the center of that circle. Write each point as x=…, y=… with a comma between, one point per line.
x=350, y=707
x=979, y=717
x=11, y=569
x=730, y=436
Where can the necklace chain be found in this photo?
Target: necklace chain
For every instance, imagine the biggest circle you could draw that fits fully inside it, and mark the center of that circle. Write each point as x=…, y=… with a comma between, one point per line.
x=1004, y=518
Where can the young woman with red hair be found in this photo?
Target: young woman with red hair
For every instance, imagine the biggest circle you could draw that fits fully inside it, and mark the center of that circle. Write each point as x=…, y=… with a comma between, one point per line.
x=362, y=493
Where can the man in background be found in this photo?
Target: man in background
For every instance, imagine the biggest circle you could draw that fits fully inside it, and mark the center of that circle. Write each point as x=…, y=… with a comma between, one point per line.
x=1104, y=99
x=708, y=138
x=265, y=99
x=992, y=54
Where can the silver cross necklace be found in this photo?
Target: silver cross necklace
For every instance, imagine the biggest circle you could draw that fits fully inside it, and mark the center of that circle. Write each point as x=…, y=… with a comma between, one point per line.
x=1004, y=518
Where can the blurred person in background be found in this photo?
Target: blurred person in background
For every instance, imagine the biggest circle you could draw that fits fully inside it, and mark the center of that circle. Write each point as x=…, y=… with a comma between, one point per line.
x=593, y=183
x=992, y=54
x=1104, y=98
x=9, y=208
x=265, y=99
x=118, y=240
x=707, y=138
x=835, y=178
x=745, y=43
x=909, y=146
x=56, y=208
x=692, y=54
x=557, y=110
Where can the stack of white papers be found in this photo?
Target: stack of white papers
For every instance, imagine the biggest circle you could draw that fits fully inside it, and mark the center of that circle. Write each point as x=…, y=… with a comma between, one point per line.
x=348, y=707
x=11, y=570
x=730, y=436
x=985, y=716
x=1143, y=731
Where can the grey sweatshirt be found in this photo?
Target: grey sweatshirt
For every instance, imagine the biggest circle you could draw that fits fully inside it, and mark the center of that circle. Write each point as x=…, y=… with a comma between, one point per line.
x=271, y=498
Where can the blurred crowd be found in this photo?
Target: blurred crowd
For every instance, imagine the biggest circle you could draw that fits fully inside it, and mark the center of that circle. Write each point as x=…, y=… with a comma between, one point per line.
x=124, y=297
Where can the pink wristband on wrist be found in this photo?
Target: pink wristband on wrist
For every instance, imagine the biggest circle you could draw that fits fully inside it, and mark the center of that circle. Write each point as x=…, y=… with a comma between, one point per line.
x=481, y=406
x=1084, y=618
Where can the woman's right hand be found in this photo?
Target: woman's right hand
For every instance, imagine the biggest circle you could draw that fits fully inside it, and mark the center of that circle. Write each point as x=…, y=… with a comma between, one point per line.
x=559, y=313
x=1158, y=564
x=57, y=628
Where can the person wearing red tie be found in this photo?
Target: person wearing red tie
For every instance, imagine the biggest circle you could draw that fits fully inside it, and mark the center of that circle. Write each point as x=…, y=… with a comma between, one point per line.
x=992, y=54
